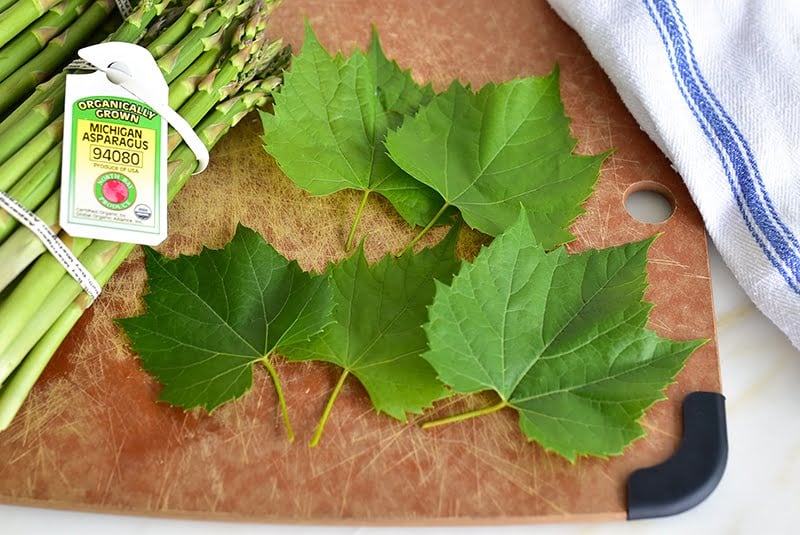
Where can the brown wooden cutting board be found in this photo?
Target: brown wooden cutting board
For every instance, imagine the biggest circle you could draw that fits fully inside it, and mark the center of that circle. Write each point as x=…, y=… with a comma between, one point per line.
x=92, y=437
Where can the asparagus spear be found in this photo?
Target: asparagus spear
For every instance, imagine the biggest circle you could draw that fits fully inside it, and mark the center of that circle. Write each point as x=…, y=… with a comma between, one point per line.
x=5, y=4
x=23, y=247
x=15, y=168
x=18, y=15
x=135, y=25
x=24, y=46
x=25, y=123
x=186, y=84
x=42, y=179
x=162, y=23
x=242, y=36
x=191, y=46
x=176, y=31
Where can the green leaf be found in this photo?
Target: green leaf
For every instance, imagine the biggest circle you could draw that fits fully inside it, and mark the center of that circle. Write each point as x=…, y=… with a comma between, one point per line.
x=377, y=335
x=210, y=317
x=330, y=120
x=489, y=151
x=560, y=338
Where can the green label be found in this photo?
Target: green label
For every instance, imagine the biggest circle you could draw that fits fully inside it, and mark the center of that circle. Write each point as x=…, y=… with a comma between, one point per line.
x=115, y=164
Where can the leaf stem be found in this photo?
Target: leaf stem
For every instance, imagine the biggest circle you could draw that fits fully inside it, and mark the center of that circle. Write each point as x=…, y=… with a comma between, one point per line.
x=466, y=415
x=328, y=407
x=349, y=244
x=425, y=230
x=281, y=399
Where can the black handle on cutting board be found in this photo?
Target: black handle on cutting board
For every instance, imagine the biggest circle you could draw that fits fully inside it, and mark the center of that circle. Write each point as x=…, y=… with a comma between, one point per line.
x=691, y=475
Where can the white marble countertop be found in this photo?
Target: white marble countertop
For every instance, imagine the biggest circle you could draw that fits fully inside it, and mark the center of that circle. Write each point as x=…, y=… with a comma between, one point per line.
x=758, y=494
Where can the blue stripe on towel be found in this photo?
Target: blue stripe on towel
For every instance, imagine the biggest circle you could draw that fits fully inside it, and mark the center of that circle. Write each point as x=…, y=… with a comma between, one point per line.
x=771, y=234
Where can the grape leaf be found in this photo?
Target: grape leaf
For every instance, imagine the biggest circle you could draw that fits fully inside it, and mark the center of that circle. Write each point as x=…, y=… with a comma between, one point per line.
x=377, y=335
x=489, y=151
x=560, y=338
x=210, y=317
x=331, y=117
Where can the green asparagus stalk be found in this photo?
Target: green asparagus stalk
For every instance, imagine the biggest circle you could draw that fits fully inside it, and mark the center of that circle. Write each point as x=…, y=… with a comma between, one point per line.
x=208, y=23
x=24, y=46
x=162, y=23
x=176, y=31
x=12, y=250
x=186, y=84
x=14, y=394
x=4, y=4
x=15, y=167
x=19, y=15
x=32, y=192
x=136, y=24
x=237, y=71
x=30, y=123
x=56, y=53
x=103, y=258
x=242, y=36
x=23, y=247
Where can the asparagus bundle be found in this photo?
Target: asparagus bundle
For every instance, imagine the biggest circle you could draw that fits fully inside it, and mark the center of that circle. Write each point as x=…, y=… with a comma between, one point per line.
x=30, y=137
x=220, y=65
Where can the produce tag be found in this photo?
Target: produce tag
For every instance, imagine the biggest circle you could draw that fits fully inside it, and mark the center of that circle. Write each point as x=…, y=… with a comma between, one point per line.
x=114, y=162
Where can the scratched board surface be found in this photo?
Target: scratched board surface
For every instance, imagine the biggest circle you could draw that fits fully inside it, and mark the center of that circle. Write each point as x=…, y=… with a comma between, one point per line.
x=91, y=435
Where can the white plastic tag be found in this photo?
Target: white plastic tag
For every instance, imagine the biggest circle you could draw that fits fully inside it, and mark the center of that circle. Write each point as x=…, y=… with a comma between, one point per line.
x=114, y=163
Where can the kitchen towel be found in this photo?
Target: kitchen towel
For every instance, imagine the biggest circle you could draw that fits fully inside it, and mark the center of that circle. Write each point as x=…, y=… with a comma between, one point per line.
x=716, y=85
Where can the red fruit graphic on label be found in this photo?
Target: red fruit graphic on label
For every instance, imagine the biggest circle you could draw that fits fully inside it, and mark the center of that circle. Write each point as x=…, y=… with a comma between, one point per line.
x=115, y=191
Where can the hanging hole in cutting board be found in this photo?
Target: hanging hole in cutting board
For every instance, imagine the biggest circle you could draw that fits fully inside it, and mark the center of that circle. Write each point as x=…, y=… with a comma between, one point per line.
x=649, y=202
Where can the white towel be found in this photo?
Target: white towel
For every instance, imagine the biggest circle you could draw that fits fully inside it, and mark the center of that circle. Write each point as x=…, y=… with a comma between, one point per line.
x=716, y=84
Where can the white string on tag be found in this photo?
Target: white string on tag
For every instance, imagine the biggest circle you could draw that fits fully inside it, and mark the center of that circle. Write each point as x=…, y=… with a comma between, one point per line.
x=140, y=91
x=53, y=244
x=80, y=65
x=110, y=59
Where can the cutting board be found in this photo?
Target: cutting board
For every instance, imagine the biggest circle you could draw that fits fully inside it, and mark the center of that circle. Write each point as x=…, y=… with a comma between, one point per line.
x=92, y=437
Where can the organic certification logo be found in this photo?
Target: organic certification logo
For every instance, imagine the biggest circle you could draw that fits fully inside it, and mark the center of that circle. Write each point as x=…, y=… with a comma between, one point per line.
x=115, y=191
